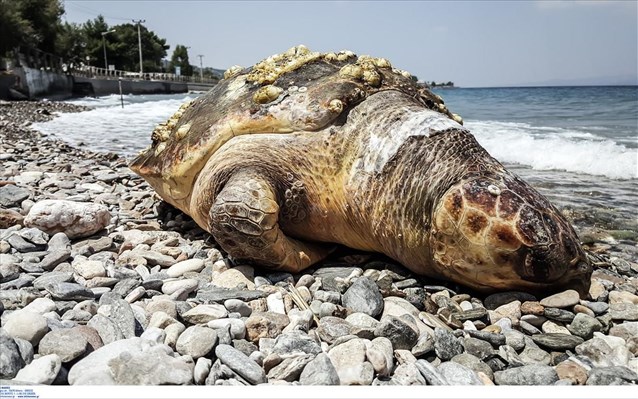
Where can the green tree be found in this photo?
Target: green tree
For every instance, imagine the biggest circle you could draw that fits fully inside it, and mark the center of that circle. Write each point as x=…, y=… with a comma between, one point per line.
x=180, y=59
x=71, y=44
x=29, y=23
x=14, y=30
x=122, y=46
x=44, y=17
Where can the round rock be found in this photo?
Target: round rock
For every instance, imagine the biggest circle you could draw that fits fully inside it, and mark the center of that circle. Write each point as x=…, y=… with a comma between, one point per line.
x=68, y=344
x=557, y=341
x=42, y=370
x=364, y=296
x=202, y=314
x=10, y=359
x=75, y=219
x=534, y=374
x=26, y=325
x=457, y=374
x=319, y=371
x=446, y=345
x=240, y=364
x=563, y=299
x=196, y=341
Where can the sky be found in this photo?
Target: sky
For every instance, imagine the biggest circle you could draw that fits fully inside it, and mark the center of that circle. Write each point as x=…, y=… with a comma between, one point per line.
x=472, y=43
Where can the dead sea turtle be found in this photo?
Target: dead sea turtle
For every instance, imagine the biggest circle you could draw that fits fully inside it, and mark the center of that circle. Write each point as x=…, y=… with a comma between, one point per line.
x=305, y=149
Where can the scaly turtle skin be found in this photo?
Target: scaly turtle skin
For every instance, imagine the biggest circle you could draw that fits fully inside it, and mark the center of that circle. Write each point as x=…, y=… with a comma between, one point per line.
x=306, y=149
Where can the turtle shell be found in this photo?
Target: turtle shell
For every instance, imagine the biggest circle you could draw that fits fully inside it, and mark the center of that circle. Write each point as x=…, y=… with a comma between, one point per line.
x=295, y=91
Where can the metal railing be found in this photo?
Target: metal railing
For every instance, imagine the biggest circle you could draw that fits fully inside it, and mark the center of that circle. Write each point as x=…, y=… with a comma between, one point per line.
x=96, y=72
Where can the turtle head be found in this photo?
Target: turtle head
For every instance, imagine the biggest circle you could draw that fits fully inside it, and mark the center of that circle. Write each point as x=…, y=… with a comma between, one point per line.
x=499, y=233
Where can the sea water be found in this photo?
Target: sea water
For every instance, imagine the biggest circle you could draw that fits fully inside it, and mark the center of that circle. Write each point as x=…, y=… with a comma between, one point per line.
x=577, y=145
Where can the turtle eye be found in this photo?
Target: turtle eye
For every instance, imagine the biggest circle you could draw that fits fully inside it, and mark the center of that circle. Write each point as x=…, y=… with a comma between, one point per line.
x=583, y=267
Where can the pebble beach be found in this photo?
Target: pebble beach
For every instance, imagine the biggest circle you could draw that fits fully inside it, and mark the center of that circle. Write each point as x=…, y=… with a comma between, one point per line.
x=103, y=283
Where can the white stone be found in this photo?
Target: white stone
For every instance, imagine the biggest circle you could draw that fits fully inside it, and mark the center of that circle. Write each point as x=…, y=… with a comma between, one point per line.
x=348, y=359
x=276, y=303
x=189, y=285
x=237, y=326
x=172, y=333
x=379, y=353
x=40, y=306
x=611, y=340
x=202, y=369
x=42, y=370
x=133, y=361
x=190, y=265
x=196, y=341
x=231, y=278
x=89, y=269
x=75, y=219
x=154, y=334
x=550, y=327
x=27, y=325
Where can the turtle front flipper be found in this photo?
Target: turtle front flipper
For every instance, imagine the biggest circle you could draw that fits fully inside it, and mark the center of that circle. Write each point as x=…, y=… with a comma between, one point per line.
x=244, y=221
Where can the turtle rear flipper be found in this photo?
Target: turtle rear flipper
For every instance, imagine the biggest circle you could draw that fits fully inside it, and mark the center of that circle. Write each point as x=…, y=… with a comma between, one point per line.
x=244, y=221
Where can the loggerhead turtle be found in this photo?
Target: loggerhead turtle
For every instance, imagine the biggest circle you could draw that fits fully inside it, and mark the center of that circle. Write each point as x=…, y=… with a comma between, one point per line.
x=305, y=149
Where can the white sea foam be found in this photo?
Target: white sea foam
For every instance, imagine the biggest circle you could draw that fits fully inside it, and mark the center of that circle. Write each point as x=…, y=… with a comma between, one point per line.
x=109, y=127
x=545, y=148
x=127, y=130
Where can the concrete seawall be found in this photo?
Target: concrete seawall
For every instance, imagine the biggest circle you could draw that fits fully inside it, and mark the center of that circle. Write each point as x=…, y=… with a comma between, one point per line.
x=102, y=87
x=25, y=82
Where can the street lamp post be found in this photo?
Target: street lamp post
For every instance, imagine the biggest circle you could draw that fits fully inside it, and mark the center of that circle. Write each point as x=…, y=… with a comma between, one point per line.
x=201, y=68
x=139, y=41
x=106, y=64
